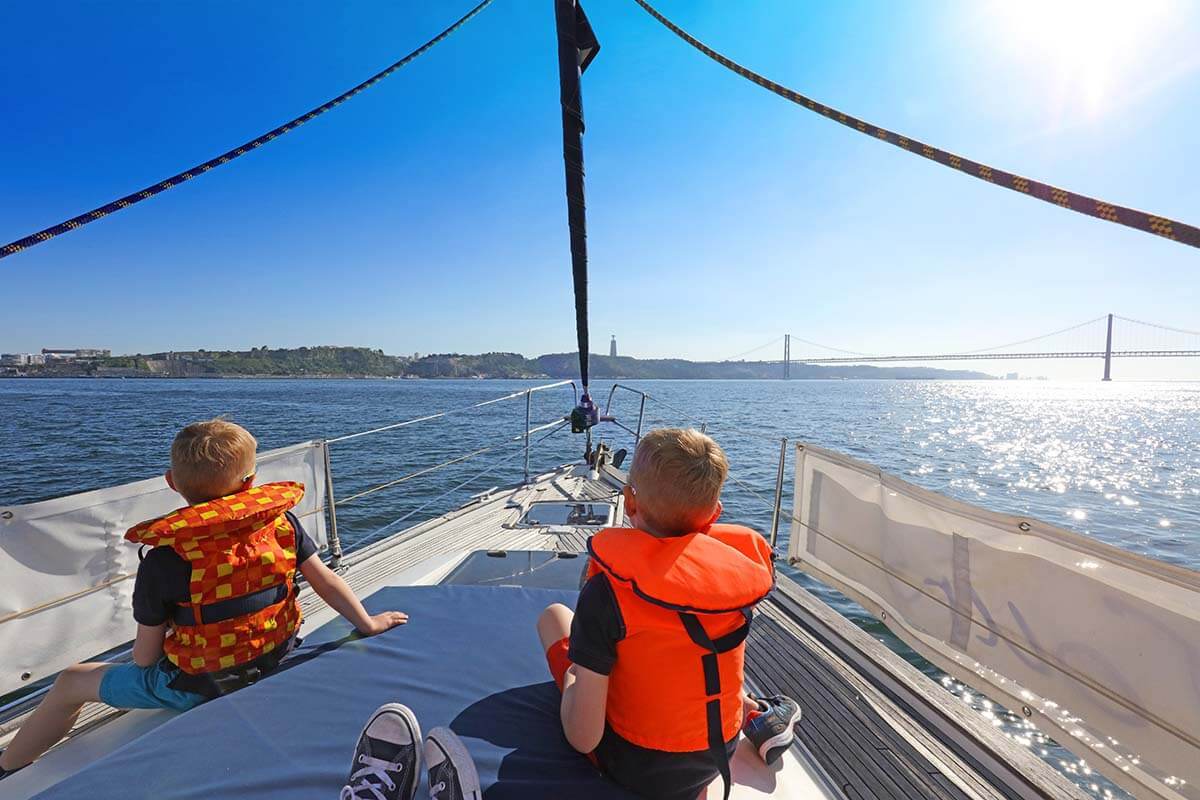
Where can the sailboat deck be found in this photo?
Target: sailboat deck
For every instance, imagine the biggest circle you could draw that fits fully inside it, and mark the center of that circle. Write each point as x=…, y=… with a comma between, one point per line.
x=873, y=725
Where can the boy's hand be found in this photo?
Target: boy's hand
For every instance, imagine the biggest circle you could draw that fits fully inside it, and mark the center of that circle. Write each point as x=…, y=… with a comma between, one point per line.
x=379, y=623
x=330, y=587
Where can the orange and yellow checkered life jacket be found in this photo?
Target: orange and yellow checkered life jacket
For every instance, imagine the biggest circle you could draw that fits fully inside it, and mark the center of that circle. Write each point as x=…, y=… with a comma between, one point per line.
x=237, y=545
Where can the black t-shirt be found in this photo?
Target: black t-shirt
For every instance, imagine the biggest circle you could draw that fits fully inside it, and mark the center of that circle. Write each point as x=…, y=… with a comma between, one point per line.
x=595, y=631
x=164, y=577
x=597, y=626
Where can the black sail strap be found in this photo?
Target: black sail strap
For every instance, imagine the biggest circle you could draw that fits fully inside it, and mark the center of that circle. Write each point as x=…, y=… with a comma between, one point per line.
x=712, y=684
x=577, y=46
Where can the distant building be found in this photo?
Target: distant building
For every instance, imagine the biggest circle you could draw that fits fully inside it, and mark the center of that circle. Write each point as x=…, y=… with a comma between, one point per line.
x=74, y=354
x=1012, y=376
x=612, y=348
x=21, y=359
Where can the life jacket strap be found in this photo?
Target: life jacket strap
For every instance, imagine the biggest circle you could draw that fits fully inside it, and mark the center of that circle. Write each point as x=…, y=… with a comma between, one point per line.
x=712, y=683
x=222, y=610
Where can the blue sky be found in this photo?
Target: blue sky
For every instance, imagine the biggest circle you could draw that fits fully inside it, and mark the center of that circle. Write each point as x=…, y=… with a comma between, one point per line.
x=428, y=214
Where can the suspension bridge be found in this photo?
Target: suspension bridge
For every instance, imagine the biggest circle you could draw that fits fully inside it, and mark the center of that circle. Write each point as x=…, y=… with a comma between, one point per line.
x=1103, y=338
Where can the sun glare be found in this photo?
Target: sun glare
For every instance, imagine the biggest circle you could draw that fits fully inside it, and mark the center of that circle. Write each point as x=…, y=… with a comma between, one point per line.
x=1088, y=50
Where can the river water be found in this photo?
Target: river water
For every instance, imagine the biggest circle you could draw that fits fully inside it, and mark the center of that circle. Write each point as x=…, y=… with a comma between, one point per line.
x=1118, y=461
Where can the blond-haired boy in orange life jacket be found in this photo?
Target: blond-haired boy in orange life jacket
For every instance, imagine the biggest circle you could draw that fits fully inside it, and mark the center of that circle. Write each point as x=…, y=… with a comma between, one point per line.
x=650, y=663
x=214, y=600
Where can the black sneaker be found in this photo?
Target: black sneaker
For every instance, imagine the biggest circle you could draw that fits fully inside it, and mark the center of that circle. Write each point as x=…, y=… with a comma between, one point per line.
x=771, y=732
x=387, y=761
x=452, y=774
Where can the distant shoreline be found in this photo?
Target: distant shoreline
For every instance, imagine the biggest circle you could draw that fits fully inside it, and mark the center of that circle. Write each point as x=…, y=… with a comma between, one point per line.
x=329, y=362
x=458, y=379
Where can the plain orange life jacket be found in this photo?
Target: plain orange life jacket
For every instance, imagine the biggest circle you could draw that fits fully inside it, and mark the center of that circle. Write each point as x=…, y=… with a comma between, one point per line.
x=237, y=546
x=686, y=603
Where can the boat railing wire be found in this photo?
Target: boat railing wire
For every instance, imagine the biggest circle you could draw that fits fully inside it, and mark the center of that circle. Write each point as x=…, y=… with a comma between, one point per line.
x=382, y=532
x=704, y=425
x=525, y=439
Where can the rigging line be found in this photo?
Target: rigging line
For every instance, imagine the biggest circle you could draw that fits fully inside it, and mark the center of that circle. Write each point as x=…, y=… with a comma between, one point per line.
x=706, y=423
x=75, y=222
x=750, y=489
x=436, y=467
x=491, y=467
x=1032, y=339
x=440, y=414
x=1156, y=325
x=1165, y=227
x=753, y=349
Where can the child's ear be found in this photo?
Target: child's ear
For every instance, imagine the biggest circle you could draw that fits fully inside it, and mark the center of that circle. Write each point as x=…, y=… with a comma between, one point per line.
x=716, y=514
x=630, y=500
x=247, y=482
x=170, y=480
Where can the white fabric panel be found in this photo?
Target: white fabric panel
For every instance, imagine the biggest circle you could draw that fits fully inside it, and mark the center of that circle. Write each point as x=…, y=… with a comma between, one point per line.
x=68, y=572
x=1101, y=647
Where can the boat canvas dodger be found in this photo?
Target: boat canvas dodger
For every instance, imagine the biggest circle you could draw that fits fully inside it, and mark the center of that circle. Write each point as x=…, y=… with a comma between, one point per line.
x=68, y=571
x=1098, y=646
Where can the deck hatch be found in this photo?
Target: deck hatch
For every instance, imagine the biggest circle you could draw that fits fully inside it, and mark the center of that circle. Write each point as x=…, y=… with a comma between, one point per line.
x=589, y=515
x=537, y=569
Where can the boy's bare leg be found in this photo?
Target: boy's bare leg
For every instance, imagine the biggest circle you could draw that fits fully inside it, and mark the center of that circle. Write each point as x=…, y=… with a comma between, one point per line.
x=554, y=624
x=53, y=718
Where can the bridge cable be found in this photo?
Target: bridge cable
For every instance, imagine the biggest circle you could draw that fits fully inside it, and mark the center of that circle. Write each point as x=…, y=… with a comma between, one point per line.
x=834, y=349
x=776, y=340
x=1156, y=325
x=150, y=191
x=1138, y=220
x=1031, y=339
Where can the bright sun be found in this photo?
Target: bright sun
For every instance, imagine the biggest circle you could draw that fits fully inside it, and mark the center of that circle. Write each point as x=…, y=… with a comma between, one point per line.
x=1088, y=47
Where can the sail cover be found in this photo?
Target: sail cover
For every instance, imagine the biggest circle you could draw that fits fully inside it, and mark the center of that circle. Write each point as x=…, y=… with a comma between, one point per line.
x=1098, y=646
x=68, y=571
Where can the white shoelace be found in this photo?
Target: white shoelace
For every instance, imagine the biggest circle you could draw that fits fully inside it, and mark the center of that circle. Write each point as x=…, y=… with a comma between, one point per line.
x=361, y=786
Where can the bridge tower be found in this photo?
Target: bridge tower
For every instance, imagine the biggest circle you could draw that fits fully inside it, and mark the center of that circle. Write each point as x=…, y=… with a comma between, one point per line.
x=1108, y=351
x=612, y=347
x=787, y=356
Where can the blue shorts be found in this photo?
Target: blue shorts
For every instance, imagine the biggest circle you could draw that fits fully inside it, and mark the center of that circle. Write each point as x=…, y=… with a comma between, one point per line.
x=131, y=686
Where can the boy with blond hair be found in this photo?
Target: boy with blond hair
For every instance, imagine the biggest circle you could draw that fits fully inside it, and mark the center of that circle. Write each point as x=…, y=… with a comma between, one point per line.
x=214, y=599
x=650, y=663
